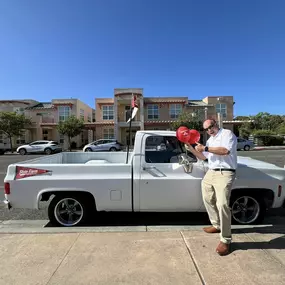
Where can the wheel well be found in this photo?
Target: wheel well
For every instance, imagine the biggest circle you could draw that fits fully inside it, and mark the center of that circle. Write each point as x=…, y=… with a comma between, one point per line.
x=89, y=197
x=266, y=194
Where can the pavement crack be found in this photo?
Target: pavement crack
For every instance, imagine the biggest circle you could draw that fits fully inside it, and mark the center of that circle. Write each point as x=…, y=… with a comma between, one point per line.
x=203, y=282
x=63, y=258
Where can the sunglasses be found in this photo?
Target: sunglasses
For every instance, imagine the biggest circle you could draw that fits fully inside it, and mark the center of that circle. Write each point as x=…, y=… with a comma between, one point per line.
x=210, y=127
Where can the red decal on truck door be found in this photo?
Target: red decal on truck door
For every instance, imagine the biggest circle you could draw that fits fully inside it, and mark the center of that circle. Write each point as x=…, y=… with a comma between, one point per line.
x=23, y=172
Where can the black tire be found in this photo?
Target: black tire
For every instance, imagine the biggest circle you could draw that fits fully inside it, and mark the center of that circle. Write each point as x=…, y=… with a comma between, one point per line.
x=83, y=204
x=22, y=151
x=48, y=151
x=251, y=216
x=113, y=149
x=88, y=149
x=2, y=152
x=246, y=148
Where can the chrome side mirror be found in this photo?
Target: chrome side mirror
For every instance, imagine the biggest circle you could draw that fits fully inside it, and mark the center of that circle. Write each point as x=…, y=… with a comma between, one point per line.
x=186, y=162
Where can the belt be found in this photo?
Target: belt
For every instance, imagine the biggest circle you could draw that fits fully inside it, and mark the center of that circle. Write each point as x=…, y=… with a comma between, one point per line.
x=224, y=169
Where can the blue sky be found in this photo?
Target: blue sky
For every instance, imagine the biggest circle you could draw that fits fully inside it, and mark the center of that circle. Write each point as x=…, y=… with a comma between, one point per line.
x=85, y=49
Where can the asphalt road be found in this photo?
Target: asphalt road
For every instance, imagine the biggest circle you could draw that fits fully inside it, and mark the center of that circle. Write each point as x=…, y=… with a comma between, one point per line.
x=272, y=156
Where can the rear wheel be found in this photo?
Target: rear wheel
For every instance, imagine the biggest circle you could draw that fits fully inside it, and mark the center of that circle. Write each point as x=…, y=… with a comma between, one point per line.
x=246, y=148
x=69, y=210
x=22, y=151
x=247, y=209
x=113, y=149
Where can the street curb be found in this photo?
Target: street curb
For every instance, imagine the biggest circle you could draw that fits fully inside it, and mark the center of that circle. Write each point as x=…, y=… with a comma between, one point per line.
x=268, y=148
x=39, y=227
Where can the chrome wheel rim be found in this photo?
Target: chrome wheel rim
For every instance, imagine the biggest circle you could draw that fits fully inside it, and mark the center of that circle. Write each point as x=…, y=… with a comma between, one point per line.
x=68, y=212
x=48, y=151
x=88, y=150
x=245, y=210
x=22, y=151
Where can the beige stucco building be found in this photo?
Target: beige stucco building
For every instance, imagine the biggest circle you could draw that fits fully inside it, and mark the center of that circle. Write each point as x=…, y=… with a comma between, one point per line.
x=154, y=112
x=109, y=118
x=45, y=117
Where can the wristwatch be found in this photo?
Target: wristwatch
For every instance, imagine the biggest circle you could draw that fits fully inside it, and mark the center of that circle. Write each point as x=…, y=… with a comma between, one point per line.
x=206, y=148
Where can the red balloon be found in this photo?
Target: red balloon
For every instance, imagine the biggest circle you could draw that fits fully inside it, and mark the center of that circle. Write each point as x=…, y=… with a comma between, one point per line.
x=183, y=134
x=194, y=136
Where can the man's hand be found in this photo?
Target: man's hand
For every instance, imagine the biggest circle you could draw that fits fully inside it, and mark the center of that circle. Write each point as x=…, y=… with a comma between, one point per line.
x=189, y=147
x=199, y=147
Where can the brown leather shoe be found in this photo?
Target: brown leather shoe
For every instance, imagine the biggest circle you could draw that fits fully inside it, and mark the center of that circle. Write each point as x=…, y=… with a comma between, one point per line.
x=223, y=248
x=211, y=230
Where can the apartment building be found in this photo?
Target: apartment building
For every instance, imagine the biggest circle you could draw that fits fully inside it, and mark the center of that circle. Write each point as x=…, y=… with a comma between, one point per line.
x=19, y=107
x=109, y=118
x=155, y=113
x=45, y=116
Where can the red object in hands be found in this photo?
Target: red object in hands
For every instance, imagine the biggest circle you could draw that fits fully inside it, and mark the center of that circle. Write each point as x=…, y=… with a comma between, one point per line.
x=183, y=134
x=194, y=136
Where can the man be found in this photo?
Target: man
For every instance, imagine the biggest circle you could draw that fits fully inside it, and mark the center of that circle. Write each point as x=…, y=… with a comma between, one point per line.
x=221, y=153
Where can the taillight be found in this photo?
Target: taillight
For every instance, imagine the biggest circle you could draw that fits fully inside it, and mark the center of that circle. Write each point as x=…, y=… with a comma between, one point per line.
x=279, y=190
x=7, y=188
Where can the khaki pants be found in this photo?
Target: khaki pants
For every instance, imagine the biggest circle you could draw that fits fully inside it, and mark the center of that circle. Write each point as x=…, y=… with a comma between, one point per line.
x=216, y=190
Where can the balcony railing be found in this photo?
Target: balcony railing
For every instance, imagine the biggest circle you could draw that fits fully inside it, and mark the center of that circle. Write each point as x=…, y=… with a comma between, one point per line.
x=48, y=120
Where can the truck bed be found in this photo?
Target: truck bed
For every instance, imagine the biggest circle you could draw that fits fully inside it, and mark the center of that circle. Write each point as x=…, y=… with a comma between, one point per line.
x=81, y=158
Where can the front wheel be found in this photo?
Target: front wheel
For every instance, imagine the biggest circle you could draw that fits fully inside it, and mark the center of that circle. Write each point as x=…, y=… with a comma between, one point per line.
x=113, y=149
x=68, y=210
x=48, y=151
x=88, y=149
x=22, y=151
x=247, y=209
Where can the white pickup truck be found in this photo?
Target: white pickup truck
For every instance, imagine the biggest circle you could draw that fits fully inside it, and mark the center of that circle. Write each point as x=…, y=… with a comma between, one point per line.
x=159, y=176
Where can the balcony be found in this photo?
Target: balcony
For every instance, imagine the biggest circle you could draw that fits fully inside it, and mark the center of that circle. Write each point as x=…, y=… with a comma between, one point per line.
x=48, y=121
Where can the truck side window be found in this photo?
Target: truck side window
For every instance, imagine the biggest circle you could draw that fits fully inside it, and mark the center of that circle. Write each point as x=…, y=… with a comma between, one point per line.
x=162, y=149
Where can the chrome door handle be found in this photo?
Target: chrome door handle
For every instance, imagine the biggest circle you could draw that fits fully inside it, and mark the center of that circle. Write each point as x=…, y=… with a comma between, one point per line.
x=148, y=168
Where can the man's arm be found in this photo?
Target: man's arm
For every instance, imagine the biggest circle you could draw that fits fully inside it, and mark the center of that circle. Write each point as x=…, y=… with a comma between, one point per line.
x=228, y=142
x=198, y=154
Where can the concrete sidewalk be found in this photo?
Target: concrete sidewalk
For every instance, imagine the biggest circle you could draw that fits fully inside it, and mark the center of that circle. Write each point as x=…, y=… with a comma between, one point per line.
x=176, y=257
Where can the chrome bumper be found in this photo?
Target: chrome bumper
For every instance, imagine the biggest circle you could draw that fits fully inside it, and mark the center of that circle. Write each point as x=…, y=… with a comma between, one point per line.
x=7, y=204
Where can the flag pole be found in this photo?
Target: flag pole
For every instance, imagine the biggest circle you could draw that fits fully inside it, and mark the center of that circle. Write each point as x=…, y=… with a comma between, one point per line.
x=133, y=113
x=128, y=146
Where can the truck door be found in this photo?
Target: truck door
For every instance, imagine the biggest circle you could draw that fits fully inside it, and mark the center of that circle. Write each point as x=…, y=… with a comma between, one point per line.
x=163, y=183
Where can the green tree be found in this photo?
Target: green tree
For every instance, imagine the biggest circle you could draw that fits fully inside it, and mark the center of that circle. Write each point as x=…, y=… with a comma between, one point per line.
x=189, y=120
x=13, y=125
x=266, y=121
x=71, y=128
x=281, y=129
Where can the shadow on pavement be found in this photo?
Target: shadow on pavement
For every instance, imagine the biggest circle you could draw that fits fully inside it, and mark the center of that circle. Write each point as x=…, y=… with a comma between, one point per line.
x=146, y=219
x=276, y=243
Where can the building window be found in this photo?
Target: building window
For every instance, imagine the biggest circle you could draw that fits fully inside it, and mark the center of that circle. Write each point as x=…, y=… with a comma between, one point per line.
x=61, y=139
x=2, y=137
x=152, y=112
x=89, y=118
x=222, y=109
x=82, y=114
x=21, y=139
x=108, y=112
x=18, y=110
x=64, y=112
x=108, y=134
x=175, y=110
